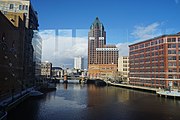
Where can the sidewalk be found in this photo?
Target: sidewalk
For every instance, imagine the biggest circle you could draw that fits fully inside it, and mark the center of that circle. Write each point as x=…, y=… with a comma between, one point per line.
x=6, y=102
x=134, y=87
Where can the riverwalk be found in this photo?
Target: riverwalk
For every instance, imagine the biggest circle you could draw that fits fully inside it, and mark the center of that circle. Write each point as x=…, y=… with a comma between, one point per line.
x=159, y=92
x=134, y=87
x=12, y=101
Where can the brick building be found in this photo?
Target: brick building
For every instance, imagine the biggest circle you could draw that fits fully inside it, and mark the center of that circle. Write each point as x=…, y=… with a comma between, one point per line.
x=11, y=55
x=155, y=62
x=102, y=58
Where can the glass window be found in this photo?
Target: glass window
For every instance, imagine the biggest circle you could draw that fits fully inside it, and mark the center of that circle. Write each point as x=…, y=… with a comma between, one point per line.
x=169, y=40
x=173, y=39
x=172, y=58
x=171, y=45
x=26, y=7
x=161, y=41
x=178, y=39
x=11, y=6
x=170, y=76
x=20, y=7
x=171, y=51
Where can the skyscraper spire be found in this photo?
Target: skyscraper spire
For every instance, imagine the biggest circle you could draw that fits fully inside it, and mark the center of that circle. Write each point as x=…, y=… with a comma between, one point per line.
x=100, y=56
x=97, y=24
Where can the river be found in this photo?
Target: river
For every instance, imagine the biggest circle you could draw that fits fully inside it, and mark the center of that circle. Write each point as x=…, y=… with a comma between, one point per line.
x=88, y=102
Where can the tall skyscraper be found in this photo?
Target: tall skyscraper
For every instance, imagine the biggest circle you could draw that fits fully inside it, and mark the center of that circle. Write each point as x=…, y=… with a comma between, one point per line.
x=102, y=58
x=79, y=63
x=96, y=39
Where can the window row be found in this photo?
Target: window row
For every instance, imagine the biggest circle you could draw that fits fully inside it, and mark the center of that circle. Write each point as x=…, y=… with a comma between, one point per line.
x=21, y=7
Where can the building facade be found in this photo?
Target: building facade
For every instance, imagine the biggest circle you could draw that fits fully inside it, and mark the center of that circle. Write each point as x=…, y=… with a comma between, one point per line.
x=37, y=54
x=12, y=41
x=102, y=58
x=46, y=69
x=20, y=6
x=57, y=72
x=123, y=67
x=13, y=9
x=79, y=63
x=155, y=62
x=18, y=20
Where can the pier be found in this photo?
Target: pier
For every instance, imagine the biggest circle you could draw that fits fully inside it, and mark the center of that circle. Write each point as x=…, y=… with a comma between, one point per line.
x=167, y=94
x=134, y=87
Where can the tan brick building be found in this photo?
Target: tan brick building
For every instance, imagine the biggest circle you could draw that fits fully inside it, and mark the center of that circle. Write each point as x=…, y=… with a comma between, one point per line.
x=156, y=62
x=123, y=67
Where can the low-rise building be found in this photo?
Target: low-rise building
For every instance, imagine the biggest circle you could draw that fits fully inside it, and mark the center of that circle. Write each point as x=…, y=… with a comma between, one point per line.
x=155, y=62
x=123, y=67
x=46, y=69
x=57, y=72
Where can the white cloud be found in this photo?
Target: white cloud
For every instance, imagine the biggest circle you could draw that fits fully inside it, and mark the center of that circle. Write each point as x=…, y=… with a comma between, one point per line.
x=123, y=48
x=60, y=50
x=146, y=32
x=140, y=33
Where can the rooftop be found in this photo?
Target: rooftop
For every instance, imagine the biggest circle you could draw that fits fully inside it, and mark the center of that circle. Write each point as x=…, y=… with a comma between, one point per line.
x=168, y=35
x=97, y=24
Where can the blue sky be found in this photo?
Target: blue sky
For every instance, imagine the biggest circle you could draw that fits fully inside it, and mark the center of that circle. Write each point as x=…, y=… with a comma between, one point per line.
x=125, y=21
x=115, y=14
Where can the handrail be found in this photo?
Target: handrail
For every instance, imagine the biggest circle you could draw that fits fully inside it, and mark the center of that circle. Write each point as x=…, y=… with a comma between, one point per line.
x=4, y=116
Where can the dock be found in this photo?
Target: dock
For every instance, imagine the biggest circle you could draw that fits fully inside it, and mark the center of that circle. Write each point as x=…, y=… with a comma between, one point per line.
x=159, y=92
x=170, y=94
x=134, y=87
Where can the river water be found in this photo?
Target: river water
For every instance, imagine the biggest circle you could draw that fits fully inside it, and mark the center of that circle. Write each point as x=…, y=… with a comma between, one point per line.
x=88, y=102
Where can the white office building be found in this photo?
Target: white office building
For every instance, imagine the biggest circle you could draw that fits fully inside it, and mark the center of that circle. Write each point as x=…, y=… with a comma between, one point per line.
x=123, y=66
x=79, y=63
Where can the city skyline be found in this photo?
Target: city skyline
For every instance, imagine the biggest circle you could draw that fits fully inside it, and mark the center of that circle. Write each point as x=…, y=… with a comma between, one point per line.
x=126, y=22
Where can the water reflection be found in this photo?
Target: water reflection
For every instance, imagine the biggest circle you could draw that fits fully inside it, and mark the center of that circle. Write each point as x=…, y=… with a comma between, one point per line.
x=88, y=102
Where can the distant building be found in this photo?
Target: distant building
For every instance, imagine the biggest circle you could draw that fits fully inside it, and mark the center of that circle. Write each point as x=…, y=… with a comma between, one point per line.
x=155, y=62
x=46, y=69
x=79, y=63
x=57, y=72
x=123, y=66
x=102, y=58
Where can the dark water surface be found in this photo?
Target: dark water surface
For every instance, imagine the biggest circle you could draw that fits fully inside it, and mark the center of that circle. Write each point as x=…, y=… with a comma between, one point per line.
x=88, y=102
